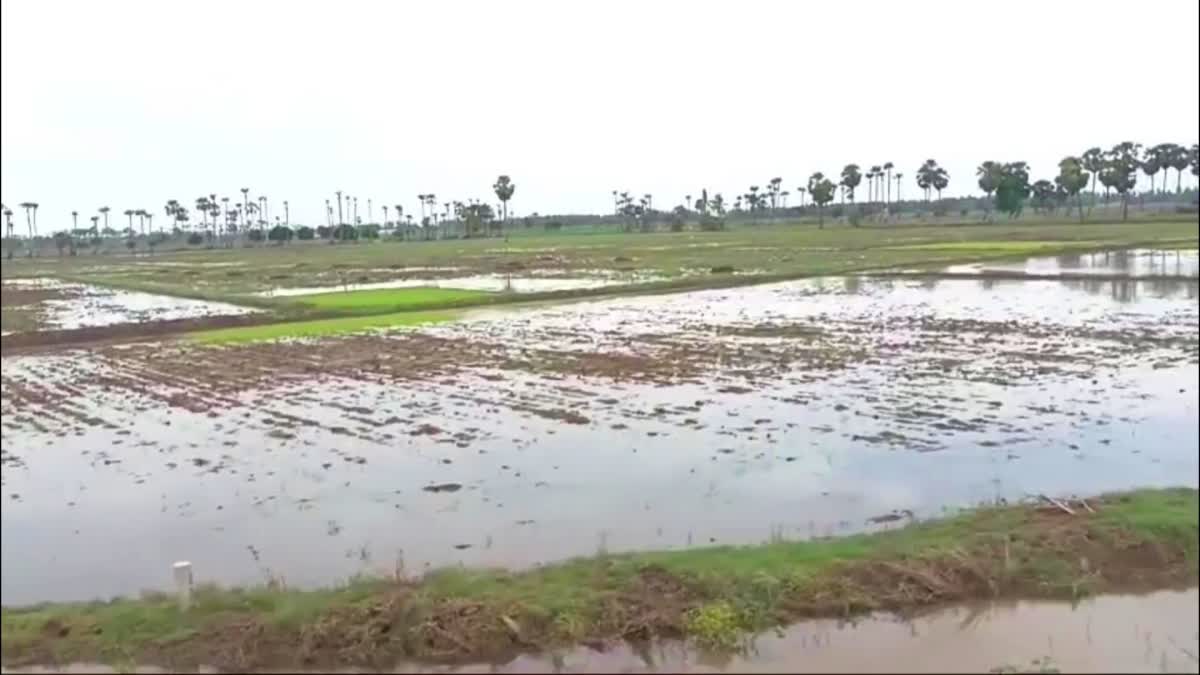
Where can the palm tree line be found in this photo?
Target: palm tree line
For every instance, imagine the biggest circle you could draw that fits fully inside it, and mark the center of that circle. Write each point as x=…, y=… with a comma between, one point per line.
x=1007, y=188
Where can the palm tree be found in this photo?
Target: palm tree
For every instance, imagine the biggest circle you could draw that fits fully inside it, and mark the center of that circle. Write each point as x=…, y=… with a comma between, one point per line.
x=1093, y=163
x=104, y=212
x=74, y=220
x=1072, y=179
x=774, y=187
x=8, y=226
x=246, y=199
x=1120, y=172
x=31, y=222
x=95, y=226
x=354, y=213
x=504, y=188
x=801, y=191
x=821, y=190
x=876, y=174
x=899, y=177
x=339, y=201
x=201, y=206
x=851, y=177
x=1194, y=159
x=1154, y=159
x=887, y=167
x=399, y=215
x=1179, y=159
x=989, y=174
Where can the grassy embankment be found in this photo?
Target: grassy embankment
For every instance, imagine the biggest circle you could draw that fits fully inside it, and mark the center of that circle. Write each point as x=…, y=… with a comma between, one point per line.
x=1120, y=542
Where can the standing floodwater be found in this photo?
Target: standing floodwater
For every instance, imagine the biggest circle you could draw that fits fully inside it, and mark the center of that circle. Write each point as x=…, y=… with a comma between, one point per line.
x=726, y=416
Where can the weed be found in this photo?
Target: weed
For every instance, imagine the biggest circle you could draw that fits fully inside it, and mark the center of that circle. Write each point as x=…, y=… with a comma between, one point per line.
x=716, y=625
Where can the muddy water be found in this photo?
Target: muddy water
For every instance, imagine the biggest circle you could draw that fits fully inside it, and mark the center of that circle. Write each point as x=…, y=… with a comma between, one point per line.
x=1154, y=633
x=951, y=393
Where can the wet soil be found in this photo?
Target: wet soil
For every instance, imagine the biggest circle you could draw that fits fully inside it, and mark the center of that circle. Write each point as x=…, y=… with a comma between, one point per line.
x=730, y=416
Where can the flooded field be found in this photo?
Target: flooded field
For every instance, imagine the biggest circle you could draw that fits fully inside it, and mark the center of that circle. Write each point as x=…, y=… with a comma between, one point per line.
x=518, y=437
x=49, y=304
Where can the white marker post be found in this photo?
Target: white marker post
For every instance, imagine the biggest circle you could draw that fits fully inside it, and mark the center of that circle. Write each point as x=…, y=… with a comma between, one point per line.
x=183, y=584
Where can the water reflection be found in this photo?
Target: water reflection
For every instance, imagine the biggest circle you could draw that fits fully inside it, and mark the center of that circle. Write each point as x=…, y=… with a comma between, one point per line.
x=1132, y=263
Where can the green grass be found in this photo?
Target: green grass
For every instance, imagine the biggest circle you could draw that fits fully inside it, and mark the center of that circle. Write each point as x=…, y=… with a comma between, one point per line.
x=382, y=301
x=712, y=595
x=318, y=327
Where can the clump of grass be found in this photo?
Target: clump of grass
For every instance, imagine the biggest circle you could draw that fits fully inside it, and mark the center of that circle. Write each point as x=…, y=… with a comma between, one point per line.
x=716, y=625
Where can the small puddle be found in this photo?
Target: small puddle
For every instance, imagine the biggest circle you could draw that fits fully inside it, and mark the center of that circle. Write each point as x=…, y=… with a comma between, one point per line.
x=1116, y=633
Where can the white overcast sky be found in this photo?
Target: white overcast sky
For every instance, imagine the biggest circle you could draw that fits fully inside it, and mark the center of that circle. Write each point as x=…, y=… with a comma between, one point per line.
x=128, y=103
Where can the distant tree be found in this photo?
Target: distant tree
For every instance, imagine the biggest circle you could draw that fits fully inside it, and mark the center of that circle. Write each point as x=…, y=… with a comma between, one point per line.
x=874, y=193
x=280, y=234
x=930, y=177
x=1194, y=159
x=1178, y=158
x=887, y=167
x=1043, y=195
x=104, y=212
x=61, y=241
x=8, y=231
x=246, y=204
x=1072, y=179
x=851, y=177
x=304, y=233
x=255, y=235
x=1093, y=163
x=1012, y=188
x=774, y=189
x=1154, y=159
x=989, y=174
x=31, y=221
x=820, y=190
x=195, y=239
x=504, y=188
x=1120, y=172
